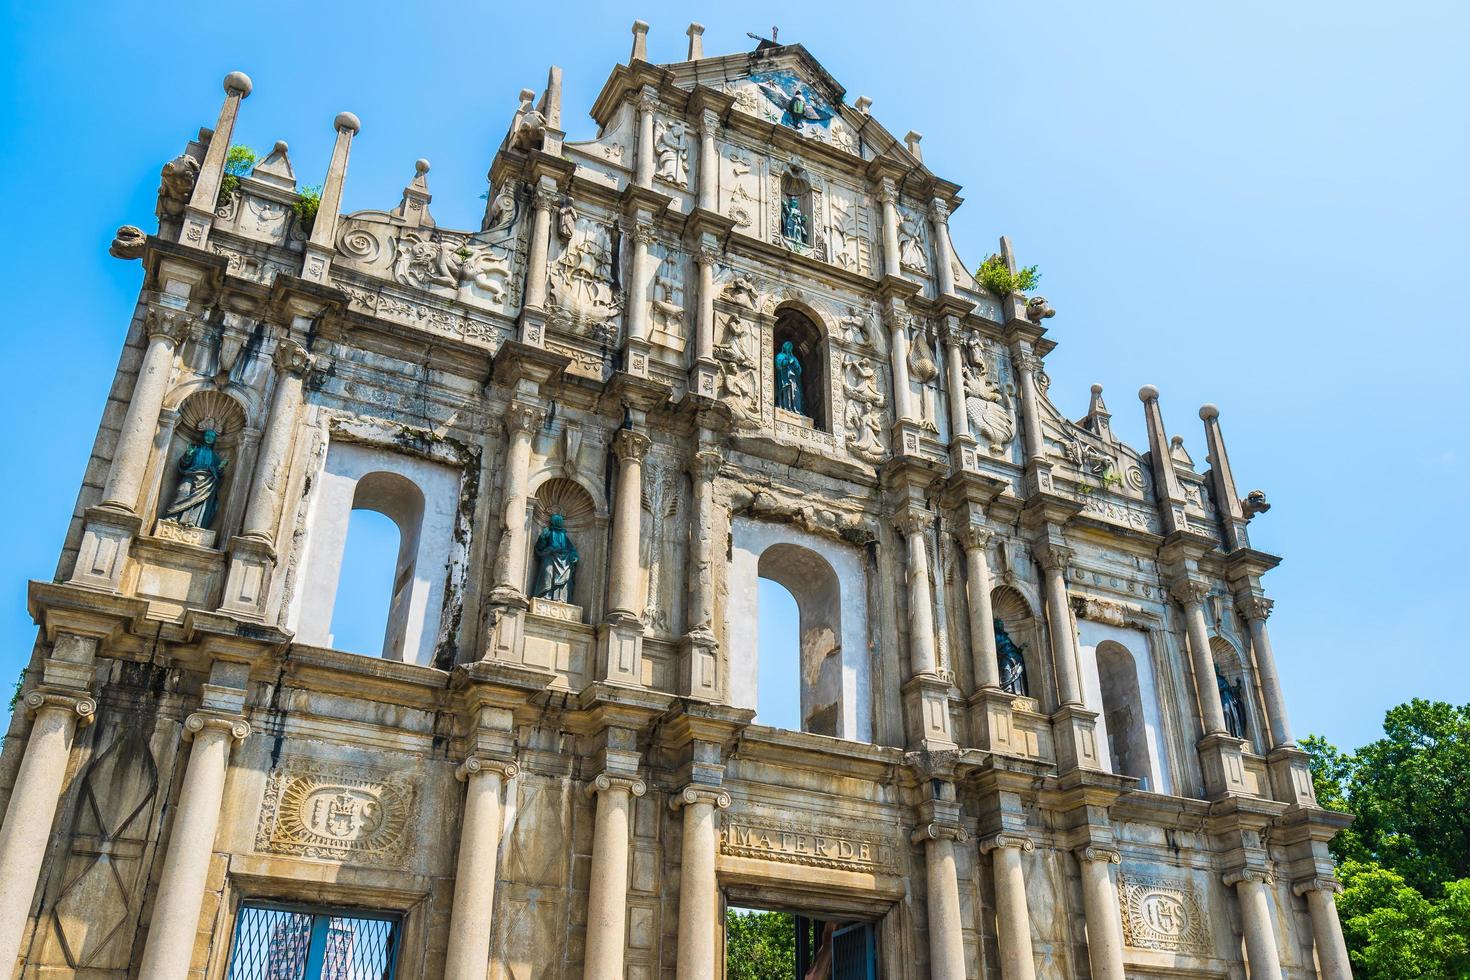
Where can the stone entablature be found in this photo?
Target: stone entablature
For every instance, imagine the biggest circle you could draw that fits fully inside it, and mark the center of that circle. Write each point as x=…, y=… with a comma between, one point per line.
x=728, y=337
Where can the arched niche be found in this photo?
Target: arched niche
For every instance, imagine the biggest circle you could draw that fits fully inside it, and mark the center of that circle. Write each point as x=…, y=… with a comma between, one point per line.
x=212, y=410
x=1230, y=665
x=1118, y=682
x=587, y=529
x=1024, y=628
x=828, y=582
x=803, y=329
x=1122, y=711
x=422, y=498
x=796, y=192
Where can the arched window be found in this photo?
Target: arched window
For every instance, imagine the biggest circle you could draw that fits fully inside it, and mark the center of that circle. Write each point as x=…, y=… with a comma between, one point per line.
x=1123, y=712
x=800, y=329
x=365, y=589
x=823, y=665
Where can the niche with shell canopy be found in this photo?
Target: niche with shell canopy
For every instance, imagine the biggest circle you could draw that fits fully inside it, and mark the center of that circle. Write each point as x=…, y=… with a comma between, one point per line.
x=586, y=526
x=192, y=504
x=1024, y=628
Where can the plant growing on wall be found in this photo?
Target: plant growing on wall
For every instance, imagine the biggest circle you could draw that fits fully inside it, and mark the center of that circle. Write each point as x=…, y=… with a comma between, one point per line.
x=997, y=277
x=238, y=163
x=308, y=202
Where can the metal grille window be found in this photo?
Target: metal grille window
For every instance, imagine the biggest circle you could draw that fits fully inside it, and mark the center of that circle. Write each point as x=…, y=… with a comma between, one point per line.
x=275, y=942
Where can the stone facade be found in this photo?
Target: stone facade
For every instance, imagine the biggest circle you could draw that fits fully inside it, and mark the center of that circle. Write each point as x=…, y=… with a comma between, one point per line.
x=566, y=786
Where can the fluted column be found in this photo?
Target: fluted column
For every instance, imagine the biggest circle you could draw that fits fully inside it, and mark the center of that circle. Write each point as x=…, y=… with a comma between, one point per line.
x=543, y=204
x=1027, y=364
x=521, y=421
x=1012, y=916
x=699, y=890
x=1256, y=608
x=914, y=525
x=1100, y=907
x=647, y=105
x=709, y=161
x=32, y=809
x=1332, y=955
x=943, y=250
x=982, y=615
x=1190, y=594
x=1054, y=560
x=269, y=481
x=946, y=929
x=1261, y=953
x=166, y=329
x=888, y=198
x=607, y=898
x=468, y=956
x=175, y=922
x=631, y=448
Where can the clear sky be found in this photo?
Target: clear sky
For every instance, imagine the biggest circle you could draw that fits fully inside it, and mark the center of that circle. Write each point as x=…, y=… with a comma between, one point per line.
x=1262, y=205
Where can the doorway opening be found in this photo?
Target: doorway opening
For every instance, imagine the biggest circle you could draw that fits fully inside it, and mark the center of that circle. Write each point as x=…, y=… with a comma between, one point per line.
x=762, y=944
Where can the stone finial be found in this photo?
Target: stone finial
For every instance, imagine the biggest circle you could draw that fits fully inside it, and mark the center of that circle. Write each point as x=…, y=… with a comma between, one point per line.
x=347, y=122
x=640, y=42
x=414, y=207
x=696, y=41
x=863, y=104
x=912, y=141
x=276, y=169
x=1099, y=419
x=238, y=83
x=1007, y=254
x=1148, y=393
x=551, y=100
x=1208, y=412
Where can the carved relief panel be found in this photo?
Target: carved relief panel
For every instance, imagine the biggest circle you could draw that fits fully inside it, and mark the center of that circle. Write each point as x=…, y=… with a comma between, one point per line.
x=337, y=812
x=1164, y=914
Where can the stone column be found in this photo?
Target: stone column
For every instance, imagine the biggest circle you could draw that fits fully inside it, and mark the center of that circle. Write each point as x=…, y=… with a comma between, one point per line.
x=33, y=799
x=946, y=936
x=607, y=898
x=943, y=250
x=1256, y=608
x=888, y=197
x=1332, y=955
x=631, y=448
x=982, y=616
x=1054, y=561
x=199, y=214
x=544, y=203
x=1191, y=595
x=468, y=955
x=704, y=324
x=640, y=272
x=647, y=105
x=166, y=329
x=709, y=161
x=1026, y=365
x=1261, y=953
x=959, y=419
x=175, y=923
x=898, y=360
x=1100, y=907
x=699, y=890
x=269, y=481
x=521, y=421
x=914, y=524
x=1012, y=916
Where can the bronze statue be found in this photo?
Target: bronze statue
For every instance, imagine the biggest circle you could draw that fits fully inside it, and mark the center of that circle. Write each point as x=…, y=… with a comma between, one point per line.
x=1012, y=662
x=557, y=562
x=200, y=470
x=1233, y=705
x=788, y=380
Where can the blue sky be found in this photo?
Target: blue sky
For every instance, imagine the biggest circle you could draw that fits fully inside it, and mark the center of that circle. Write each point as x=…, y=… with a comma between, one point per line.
x=1261, y=205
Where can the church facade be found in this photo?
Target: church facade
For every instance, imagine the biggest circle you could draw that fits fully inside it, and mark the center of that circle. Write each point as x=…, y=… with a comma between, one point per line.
x=727, y=339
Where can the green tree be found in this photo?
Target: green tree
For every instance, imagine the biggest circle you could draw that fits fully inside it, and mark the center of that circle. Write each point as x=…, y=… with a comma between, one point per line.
x=1394, y=933
x=760, y=945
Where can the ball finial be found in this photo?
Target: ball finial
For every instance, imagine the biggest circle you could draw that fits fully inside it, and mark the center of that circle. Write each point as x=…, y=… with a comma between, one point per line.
x=280, y=147
x=347, y=122
x=1208, y=412
x=420, y=166
x=1147, y=393
x=238, y=83
x=1097, y=389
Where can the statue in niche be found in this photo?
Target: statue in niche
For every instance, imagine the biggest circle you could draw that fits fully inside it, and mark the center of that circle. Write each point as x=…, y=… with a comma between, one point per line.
x=556, y=562
x=200, y=470
x=1012, y=662
x=793, y=222
x=788, y=380
x=1232, y=703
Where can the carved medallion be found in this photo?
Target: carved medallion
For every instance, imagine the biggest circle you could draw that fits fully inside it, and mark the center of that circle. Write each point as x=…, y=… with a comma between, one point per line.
x=1163, y=913
x=335, y=812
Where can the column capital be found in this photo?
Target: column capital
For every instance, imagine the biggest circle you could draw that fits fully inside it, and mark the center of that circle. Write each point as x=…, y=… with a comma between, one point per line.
x=480, y=764
x=974, y=536
x=706, y=255
x=237, y=728
x=706, y=463
x=709, y=122
x=83, y=705
x=523, y=417
x=698, y=793
x=291, y=358
x=1189, y=590
x=647, y=100
x=1102, y=855
x=168, y=324
x=939, y=211
x=1007, y=839
x=547, y=198
x=609, y=781
x=1053, y=557
x=643, y=233
x=911, y=520
x=886, y=191
x=1258, y=876
x=1026, y=360
x=1254, y=606
x=1320, y=883
x=939, y=830
x=631, y=444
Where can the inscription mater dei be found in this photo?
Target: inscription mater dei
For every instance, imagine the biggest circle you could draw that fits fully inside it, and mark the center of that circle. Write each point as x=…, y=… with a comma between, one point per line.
x=808, y=845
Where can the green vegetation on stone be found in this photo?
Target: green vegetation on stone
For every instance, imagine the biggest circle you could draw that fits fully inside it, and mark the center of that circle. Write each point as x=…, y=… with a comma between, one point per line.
x=997, y=277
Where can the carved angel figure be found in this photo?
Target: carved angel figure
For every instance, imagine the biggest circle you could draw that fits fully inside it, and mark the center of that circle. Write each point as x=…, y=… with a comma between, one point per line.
x=742, y=290
x=986, y=403
x=671, y=152
x=795, y=102
x=737, y=370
